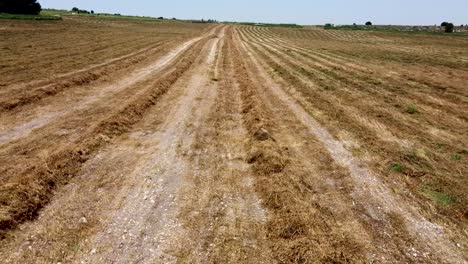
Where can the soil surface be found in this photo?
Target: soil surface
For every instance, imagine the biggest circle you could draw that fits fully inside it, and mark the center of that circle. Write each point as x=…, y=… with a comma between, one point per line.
x=236, y=144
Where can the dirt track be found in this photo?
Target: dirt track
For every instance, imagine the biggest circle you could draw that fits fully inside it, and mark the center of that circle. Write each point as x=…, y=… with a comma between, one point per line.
x=223, y=148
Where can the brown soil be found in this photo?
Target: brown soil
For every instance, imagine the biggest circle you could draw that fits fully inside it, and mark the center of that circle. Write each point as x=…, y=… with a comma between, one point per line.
x=231, y=144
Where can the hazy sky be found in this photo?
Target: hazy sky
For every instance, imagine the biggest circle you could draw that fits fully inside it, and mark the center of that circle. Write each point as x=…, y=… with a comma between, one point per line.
x=405, y=12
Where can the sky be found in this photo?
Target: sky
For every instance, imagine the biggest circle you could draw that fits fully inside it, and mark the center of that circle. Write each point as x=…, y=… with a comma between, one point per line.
x=306, y=12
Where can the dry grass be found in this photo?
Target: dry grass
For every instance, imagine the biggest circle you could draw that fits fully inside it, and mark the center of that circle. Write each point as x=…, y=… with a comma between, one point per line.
x=52, y=48
x=261, y=185
x=60, y=59
x=28, y=187
x=300, y=228
x=392, y=116
x=224, y=219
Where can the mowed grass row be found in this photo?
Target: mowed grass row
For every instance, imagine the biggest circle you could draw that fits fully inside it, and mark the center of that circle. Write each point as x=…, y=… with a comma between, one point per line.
x=425, y=156
x=368, y=57
x=410, y=109
x=364, y=85
x=441, y=50
x=301, y=227
x=45, y=161
x=35, y=50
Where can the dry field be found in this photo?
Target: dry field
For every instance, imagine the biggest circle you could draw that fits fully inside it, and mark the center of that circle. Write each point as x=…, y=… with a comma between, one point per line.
x=128, y=141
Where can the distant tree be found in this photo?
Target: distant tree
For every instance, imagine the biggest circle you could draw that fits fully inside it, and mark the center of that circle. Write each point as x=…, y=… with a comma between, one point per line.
x=444, y=24
x=174, y=18
x=160, y=17
x=26, y=7
x=92, y=11
x=75, y=9
x=354, y=24
x=368, y=23
x=449, y=28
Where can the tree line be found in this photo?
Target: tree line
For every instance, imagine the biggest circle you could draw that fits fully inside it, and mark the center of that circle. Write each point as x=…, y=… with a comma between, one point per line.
x=81, y=11
x=448, y=27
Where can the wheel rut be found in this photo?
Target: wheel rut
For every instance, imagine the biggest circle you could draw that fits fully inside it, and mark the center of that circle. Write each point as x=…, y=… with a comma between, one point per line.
x=147, y=224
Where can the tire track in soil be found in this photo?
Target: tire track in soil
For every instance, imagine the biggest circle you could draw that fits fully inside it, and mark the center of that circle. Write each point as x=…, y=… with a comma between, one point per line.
x=335, y=107
x=224, y=219
x=41, y=84
x=147, y=226
x=43, y=117
x=59, y=232
x=347, y=64
x=354, y=80
x=359, y=68
x=385, y=131
x=21, y=98
x=373, y=125
x=27, y=190
x=340, y=70
x=302, y=228
x=329, y=101
x=376, y=198
x=311, y=221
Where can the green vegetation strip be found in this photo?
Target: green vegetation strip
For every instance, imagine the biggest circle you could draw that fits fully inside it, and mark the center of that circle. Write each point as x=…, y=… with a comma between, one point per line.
x=29, y=17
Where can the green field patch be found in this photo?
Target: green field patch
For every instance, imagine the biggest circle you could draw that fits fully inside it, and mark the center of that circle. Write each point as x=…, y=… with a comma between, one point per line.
x=436, y=195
